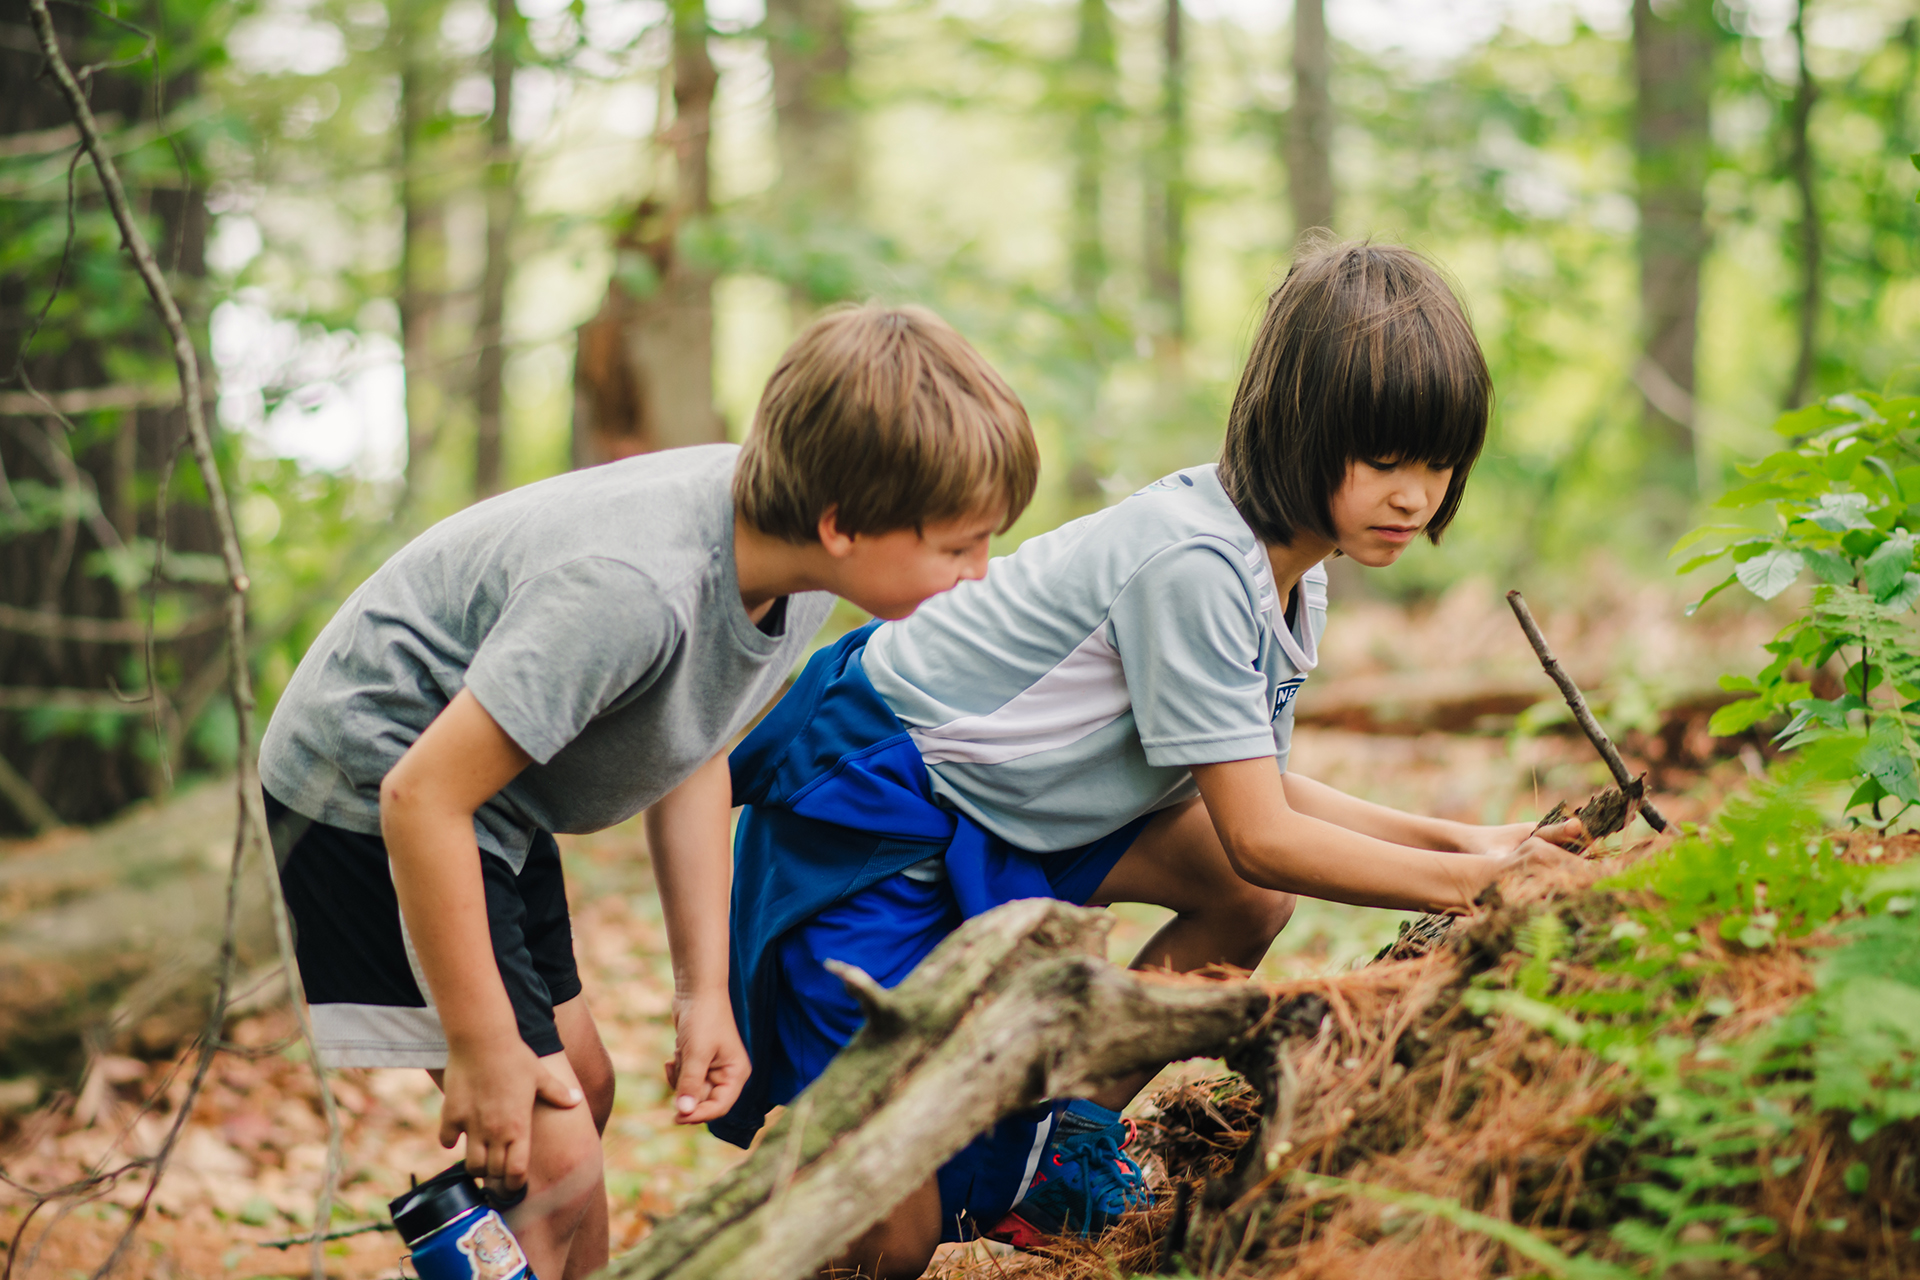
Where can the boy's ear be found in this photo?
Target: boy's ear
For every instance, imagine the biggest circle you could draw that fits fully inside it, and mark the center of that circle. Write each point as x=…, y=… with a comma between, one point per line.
x=837, y=544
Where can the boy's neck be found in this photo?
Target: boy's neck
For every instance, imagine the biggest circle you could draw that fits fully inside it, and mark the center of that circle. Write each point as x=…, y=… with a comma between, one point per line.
x=768, y=567
x=1291, y=561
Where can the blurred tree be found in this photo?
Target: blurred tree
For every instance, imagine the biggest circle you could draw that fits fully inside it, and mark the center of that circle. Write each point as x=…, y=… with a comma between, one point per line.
x=1673, y=74
x=1166, y=188
x=643, y=371
x=1090, y=91
x=79, y=533
x=1800, y=164
x=423, y=73
x=817, y=137
x=501, y=197
x=1310, y=120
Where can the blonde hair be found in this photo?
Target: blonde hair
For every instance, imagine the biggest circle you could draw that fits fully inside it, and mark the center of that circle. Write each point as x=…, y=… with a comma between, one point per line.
x=889, y=417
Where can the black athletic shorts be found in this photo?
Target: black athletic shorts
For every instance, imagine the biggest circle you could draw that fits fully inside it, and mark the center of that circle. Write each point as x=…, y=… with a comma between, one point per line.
x=363, y=981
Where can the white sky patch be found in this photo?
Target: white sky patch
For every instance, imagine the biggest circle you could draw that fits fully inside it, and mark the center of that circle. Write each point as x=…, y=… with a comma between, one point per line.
x=331, y=401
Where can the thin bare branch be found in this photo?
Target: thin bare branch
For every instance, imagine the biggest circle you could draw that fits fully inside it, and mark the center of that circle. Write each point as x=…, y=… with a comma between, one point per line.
x=1577, y=703
x=250, y=829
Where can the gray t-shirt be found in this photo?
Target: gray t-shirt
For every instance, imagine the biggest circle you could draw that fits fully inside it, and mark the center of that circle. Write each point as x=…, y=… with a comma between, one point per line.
x=1067, y=692
x=597, y=618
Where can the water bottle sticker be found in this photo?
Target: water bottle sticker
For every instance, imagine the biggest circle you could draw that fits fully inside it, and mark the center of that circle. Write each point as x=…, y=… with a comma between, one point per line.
x=492, y=1252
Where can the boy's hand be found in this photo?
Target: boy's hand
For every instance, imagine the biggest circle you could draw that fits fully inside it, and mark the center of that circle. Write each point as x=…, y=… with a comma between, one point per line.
x=709, y=1064
x=1513, y=836
x=490, y=1097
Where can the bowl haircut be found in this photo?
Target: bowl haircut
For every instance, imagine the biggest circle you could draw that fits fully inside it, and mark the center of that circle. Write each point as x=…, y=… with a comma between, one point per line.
x=890, y=418
x=1365, y=355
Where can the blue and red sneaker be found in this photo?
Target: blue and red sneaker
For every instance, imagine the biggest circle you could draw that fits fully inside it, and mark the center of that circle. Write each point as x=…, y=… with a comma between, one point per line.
x=1084, y=1182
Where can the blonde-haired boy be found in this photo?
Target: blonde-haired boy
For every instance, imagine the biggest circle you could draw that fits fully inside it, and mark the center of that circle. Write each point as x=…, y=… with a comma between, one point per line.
x=559, y=658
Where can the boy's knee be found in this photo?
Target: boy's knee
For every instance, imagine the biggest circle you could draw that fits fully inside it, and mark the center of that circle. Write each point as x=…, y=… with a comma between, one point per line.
x=900, y=1247
x=567, y=1166
x=1252, y=912
x=595, y=1074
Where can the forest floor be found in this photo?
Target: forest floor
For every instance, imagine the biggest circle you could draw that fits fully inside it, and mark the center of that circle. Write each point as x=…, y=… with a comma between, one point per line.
x=250, y=1159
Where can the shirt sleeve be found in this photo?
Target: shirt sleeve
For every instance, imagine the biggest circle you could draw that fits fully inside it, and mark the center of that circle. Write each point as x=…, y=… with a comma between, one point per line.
x=1189, y=640
x=569, y=643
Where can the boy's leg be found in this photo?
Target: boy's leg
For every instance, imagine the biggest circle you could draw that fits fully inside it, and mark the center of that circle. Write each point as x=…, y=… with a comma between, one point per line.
x=594, y=1070
x=1178, y=862
x=566, y=1187
x=899, y=1246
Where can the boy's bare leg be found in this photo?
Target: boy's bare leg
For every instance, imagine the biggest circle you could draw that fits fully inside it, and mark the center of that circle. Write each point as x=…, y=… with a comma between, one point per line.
x=1179, y=863
x=594, y=1069
x=899, y=1246
x=562, y=1224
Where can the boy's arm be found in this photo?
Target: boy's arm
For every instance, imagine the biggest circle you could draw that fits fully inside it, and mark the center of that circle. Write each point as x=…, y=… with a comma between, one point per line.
x=427, y=803
x=689, y=835
x=1318, y=800
x=1277, y=846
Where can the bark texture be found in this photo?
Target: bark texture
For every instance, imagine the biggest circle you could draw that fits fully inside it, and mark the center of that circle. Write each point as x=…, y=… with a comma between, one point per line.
x=1310, y=122
x=1166, y=219
x=643, y=372
x=64, y=625
x=817, y=134
x=1673, y=72
x=111, y=939
x=489, y=373
x=1013, y=1008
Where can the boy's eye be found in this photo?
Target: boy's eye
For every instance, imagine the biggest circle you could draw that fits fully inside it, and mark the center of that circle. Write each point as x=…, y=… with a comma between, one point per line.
x=1380, y=464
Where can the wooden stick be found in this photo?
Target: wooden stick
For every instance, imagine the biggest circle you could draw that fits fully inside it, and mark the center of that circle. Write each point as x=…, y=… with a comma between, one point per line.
x=1014, y=1007
x=1578, y=704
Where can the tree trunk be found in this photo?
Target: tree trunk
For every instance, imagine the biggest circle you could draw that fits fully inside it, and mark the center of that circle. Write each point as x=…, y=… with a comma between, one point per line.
x=1092, y=77
x=1012, y=1009
x=643, y=371
x=817, y=135
x=71, y=489
x=1800, y=163
x=1167, y=196
x=1310, y=122
x=423, y=239
x=488, y=390
x=1673, y=69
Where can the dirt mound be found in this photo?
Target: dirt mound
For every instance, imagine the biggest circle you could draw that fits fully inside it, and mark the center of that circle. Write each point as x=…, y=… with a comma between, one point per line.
x=1428, y=1117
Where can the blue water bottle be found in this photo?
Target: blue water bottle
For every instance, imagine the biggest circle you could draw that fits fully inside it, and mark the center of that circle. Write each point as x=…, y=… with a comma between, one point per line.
x=454, y=1233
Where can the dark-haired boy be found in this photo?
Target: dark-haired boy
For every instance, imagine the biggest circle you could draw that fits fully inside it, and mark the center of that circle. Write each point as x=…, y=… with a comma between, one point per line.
x=1107, y=717
x=557, y=659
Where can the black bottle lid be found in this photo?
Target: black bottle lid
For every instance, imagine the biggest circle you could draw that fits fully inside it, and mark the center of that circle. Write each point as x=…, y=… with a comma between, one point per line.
x=434, y=1203
x=439, y=1200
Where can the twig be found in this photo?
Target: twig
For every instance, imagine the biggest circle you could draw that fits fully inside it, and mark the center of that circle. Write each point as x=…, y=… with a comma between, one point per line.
x=252, y=820
x=1578, y=704
x=342, y=1234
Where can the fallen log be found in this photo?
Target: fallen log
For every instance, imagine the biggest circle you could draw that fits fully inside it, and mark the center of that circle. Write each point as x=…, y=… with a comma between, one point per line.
x=109, y=937
x=1017, y=1006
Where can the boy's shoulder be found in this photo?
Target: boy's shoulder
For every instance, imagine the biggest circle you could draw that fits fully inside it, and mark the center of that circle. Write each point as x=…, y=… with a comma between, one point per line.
x=663, y=514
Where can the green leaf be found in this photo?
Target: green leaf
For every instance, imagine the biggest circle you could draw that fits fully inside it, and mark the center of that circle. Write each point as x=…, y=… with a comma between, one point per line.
x=1904, y=598
x=1828, y=566
x=1738, y=717
x=1691, y=537
x=1856, y=1178
x=1841, y=511
x=1771, y=572
x=1712, y=591
x=1888, y=757
x=1886, y=569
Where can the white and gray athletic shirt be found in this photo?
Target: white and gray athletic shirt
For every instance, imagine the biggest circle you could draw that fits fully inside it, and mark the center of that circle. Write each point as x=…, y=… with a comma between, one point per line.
x=597, y=618
x=1067, y=692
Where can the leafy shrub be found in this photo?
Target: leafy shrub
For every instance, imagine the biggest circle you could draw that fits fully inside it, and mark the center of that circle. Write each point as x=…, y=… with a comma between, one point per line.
x=1844, y=498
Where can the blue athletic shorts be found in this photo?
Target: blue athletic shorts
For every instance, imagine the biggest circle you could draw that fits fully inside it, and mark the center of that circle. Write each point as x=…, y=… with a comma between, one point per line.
x=886, y=930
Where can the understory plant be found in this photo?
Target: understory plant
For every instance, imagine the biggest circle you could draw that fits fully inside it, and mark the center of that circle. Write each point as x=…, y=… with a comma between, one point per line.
x=1840, y=503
